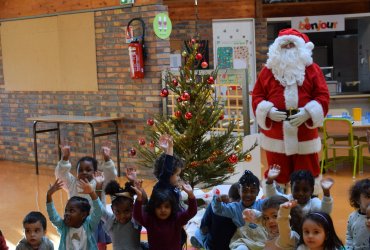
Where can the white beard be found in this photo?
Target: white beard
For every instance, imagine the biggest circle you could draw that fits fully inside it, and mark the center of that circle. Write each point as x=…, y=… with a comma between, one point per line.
x=288, y=65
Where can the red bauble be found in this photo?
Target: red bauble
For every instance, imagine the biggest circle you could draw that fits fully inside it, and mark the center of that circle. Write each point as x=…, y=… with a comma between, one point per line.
x=142, y=142
x=179, y=99
x=211, y=80
x=175, y=82
x=150, y=122
x=178, y=114
x=132, y=152
x=222, y=117
x=204, y=65
x=198, y=56
x=233, y=158
x=152, y=144
x=185, y=96
x=188, y=115
x=217, y=191
x=164, y=92
x=193, y=41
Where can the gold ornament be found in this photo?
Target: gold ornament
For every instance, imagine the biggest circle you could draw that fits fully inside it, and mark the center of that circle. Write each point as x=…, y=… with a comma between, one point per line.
x=248, y=158
x=184, y=53
x=238, y=147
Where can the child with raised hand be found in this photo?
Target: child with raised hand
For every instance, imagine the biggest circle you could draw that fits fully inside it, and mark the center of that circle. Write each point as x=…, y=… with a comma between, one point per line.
x=168, y=167
x=302, y=184
x=121, y=227
x=34, y=225
x=215, y=231
x=86, y=168
x=280, y=217
x=318, y=233
x=357, y=236
x=77, y=227
x=249, y=187
x=162, y=217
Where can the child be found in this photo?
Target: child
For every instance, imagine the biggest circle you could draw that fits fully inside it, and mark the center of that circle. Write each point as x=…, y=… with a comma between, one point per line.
x=302, y=183
x=77, y=228
x=368, y=219
x=216, y=231
x=281, y=219
x=86, y=168
x=34, y=225
x=168, y=167
x=249, y=187
x=3, y=245
x=162, y=217
x=318, y=233
x=357, y=236
x=121, y=227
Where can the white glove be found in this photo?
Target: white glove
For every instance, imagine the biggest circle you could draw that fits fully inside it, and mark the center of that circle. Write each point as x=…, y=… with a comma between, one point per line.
x=276, y=115
x=299, y=118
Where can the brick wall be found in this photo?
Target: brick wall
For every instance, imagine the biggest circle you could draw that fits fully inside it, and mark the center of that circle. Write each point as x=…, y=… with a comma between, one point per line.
x=136, y=100
x=261, y=42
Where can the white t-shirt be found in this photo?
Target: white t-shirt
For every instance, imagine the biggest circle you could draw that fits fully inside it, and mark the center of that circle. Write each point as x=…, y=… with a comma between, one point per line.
x=76, y=239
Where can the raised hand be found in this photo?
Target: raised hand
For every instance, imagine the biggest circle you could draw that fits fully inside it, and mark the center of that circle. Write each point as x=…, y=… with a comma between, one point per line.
x=137, y=187
x=276, y=115
x=326, y=185
x=289, y=204
x=188, y=189
x=131, y=174
x=106, y=150
x=85, y=186
x=66, y=150
x=249, y=215
x=166, y=143
x=99, y=178
x=273, y=173
x=58, y=184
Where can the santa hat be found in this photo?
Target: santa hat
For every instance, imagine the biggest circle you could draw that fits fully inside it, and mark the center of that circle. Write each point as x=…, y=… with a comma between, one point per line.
x=295, y=36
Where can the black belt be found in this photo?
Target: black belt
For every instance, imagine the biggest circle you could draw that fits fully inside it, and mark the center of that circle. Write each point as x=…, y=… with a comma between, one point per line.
x=289, y=112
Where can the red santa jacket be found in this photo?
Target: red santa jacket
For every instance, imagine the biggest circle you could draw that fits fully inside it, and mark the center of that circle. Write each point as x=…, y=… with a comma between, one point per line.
x=313, y=95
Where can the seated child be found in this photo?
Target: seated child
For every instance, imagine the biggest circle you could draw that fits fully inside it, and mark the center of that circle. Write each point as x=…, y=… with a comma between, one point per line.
x=77, y=228
x=3, y=245
x=318, y=233
x=34, y=225
x=121, y=227
x=302, y=183
x=281, y=219
x=86, y=168
x=162, y=217
x=216, y=231
x=249, y=187
x=357, y=236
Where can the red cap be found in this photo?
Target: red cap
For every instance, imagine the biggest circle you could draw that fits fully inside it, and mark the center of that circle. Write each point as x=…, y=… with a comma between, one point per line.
x=293, y=32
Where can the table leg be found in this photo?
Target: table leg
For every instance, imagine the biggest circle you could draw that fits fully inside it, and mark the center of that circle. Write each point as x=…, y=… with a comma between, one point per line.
x=93, y=139
x=117, y=148
x=35, y=146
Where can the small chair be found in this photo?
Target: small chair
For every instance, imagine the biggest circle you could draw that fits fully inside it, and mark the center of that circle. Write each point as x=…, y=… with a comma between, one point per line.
x=366, y=140
x=334, y=131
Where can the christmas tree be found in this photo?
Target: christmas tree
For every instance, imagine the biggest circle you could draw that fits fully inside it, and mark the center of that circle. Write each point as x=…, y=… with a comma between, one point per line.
x=210, y=156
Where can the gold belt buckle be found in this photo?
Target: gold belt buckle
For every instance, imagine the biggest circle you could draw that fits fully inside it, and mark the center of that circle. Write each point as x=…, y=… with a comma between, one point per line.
x=290, y=111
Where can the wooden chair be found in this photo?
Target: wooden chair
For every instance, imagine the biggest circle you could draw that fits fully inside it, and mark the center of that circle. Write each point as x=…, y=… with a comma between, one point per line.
x=335, y=130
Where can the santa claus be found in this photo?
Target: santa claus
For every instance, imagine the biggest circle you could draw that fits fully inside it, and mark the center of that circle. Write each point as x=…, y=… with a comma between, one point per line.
x=290, y=100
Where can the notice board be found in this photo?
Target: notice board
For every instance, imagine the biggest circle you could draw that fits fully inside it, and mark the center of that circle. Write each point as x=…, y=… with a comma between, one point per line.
x=50, y=54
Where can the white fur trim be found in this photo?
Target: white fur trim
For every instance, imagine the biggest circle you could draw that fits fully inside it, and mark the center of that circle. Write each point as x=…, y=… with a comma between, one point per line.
x=291, y=96
x=290, y=138
x=261, y=113
x=310, y=46
x=316, y=112
x=278, y=146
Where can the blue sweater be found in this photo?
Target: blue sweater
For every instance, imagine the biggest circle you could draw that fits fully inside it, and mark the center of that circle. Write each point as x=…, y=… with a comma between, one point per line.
x=89, y=225
x=234, y=210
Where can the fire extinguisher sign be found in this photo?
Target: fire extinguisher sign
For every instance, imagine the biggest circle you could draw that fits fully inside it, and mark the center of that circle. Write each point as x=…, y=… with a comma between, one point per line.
x=123, y=2
x=162, y=25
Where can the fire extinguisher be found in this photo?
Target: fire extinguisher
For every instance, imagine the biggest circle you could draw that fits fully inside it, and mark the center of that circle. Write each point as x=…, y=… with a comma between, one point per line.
x=136, y=51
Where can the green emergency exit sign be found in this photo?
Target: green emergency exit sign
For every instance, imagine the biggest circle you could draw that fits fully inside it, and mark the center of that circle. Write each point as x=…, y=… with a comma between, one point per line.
x=123, y=2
